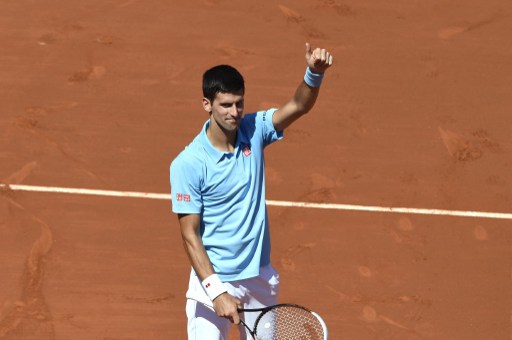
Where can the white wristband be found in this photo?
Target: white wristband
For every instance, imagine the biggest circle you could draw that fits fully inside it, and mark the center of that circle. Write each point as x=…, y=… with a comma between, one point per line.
x=213, y=286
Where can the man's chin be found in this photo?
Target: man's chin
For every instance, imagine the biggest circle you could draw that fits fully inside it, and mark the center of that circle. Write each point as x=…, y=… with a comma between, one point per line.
x=232, y=125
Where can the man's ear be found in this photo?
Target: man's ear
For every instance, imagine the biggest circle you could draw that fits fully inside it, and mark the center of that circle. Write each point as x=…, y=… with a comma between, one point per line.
x=207, y=105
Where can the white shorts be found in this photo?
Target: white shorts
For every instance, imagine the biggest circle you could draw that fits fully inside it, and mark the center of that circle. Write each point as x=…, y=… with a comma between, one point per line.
x=256, y=292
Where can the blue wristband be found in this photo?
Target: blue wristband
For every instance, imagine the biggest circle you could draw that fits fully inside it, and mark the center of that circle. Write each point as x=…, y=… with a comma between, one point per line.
x=313, y=79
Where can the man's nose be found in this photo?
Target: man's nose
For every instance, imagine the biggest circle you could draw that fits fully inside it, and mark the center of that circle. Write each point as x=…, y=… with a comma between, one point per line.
x=234, y=110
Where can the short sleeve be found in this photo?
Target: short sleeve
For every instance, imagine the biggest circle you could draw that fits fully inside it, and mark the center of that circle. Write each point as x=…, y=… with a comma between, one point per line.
x=185, y=187
x=270, y=135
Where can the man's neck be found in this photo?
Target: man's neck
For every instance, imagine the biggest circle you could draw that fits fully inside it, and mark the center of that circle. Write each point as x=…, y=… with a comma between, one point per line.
x=221, y=139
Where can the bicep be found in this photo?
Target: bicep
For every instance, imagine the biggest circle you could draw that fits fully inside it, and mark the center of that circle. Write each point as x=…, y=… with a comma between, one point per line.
x=189, y=226
x=285, y=116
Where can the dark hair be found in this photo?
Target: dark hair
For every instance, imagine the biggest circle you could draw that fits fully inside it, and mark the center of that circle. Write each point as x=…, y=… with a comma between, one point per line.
x=222, y=79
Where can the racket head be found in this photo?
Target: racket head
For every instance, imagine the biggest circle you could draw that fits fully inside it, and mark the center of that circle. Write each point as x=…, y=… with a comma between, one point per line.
x=289, y=321
x=324, y=326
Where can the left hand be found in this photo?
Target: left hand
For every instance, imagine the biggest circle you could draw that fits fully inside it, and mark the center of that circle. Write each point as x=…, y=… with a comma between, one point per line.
x=319, y=59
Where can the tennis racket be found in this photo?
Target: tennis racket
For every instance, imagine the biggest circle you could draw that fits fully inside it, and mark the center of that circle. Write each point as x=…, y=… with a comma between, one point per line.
x=286, y=321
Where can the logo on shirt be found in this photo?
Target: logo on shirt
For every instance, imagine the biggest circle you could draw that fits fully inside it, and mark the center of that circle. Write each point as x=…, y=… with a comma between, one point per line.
x=183, y=197
x=247, y=151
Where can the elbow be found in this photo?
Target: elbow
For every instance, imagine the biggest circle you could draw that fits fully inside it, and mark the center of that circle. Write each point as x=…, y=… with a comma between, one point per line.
x=301, y=108
x=304, y=109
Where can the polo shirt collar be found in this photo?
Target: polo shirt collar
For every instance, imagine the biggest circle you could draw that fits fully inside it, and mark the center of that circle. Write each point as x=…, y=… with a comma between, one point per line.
x=217, y=155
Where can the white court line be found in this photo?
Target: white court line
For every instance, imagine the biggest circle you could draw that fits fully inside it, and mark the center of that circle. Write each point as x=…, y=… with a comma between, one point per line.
x=133, y=194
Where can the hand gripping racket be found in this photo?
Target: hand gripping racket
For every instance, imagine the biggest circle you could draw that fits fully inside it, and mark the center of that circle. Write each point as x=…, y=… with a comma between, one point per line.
x=286, y=321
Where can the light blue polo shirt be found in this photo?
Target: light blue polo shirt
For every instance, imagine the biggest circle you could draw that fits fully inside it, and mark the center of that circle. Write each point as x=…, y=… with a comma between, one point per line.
x=228, y=191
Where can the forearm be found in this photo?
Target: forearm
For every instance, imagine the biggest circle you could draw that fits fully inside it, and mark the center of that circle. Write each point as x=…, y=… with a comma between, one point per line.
x=197, y=255
x=305, y=97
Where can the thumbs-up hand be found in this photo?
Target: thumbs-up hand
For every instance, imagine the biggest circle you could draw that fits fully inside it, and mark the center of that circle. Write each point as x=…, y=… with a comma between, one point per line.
x=319, y=59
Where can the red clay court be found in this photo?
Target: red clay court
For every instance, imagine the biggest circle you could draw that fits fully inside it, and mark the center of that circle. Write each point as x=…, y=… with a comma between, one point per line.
x=414, y=114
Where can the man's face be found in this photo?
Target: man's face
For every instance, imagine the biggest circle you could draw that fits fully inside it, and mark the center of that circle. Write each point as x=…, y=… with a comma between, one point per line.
x=226, y=109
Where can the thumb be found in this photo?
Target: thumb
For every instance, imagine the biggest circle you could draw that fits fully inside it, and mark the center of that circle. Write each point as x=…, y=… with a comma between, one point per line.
x=236, y=318
x=308, y=50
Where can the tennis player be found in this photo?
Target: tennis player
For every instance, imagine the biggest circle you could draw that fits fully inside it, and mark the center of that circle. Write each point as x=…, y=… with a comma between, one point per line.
x=218, y=193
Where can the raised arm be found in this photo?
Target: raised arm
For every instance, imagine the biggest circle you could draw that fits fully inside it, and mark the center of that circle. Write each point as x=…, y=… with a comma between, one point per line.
x=318, y=61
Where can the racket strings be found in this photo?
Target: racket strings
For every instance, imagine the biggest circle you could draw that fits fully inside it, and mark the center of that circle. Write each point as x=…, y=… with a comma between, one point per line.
x=289, y=322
